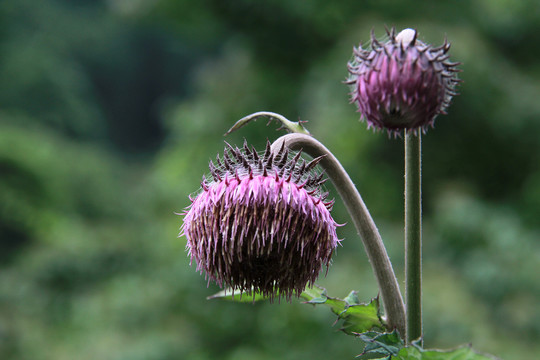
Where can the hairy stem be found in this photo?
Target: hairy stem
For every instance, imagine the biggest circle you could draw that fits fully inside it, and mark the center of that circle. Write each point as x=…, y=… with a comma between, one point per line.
x=413, y=235
x=378, y=257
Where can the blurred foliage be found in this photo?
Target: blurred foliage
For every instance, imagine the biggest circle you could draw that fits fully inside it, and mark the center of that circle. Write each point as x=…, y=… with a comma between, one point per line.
x=111, y=109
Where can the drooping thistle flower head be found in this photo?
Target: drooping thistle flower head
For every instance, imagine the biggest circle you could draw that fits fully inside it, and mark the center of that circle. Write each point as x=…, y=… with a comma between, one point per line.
x=261, y=224
x=403, y=83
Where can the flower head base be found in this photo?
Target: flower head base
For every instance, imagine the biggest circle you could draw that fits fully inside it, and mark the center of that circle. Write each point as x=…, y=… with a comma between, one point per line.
x=262, y=224
x=402, y=84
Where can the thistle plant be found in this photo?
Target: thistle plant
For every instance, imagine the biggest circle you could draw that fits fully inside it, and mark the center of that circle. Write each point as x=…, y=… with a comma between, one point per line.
x=401, y=85
x=262, y=225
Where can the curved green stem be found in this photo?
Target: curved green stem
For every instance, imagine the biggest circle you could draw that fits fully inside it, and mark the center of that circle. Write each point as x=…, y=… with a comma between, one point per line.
x=292, y=126
x=413, y=234
x=378, y=257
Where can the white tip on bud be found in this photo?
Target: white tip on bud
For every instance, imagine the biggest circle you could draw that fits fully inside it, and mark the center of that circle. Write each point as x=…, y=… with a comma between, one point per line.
x=406, y=37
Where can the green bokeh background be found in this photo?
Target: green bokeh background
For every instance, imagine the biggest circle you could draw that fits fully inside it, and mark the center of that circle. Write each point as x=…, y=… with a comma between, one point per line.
x=111, y=109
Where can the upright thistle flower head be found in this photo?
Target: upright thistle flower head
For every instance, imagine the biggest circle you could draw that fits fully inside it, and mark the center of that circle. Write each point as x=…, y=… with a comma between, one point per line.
x=262, y=224
x=403, y=83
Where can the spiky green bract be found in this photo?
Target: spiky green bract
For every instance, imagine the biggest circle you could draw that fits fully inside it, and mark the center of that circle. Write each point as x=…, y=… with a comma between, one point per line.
x=261, y=225
x=403, y=83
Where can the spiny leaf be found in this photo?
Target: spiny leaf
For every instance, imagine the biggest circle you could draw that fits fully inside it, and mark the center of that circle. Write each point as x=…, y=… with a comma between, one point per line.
x=317, y=295
x=295, y=127
x=379, y=345
x=314, y=295
x=465, y=352
x=356, y=317
x=361, y=317
x=391, y=346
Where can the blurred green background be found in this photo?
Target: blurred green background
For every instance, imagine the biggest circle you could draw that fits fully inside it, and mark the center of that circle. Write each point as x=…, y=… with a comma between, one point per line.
x=110, y=111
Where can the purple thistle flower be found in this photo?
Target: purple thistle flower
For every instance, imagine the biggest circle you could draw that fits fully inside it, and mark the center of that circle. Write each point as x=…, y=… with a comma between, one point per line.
x=402, y=83
x=261, y=224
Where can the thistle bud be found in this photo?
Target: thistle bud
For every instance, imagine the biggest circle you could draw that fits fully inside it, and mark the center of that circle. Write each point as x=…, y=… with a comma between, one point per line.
x=403, y=83
x=261, y=224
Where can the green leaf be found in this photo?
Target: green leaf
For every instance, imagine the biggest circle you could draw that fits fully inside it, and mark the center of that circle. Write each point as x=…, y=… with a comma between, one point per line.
x=391, y=346
x=314, y=295
x=230, y=295
x=380, y=345
x=356, y=317
x=295, y=127
x=461, y=353
x=362, y=320
x=361, y=317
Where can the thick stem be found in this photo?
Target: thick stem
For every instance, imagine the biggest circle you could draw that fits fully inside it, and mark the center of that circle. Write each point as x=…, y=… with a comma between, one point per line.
x=413, y=234
x=388, y=285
